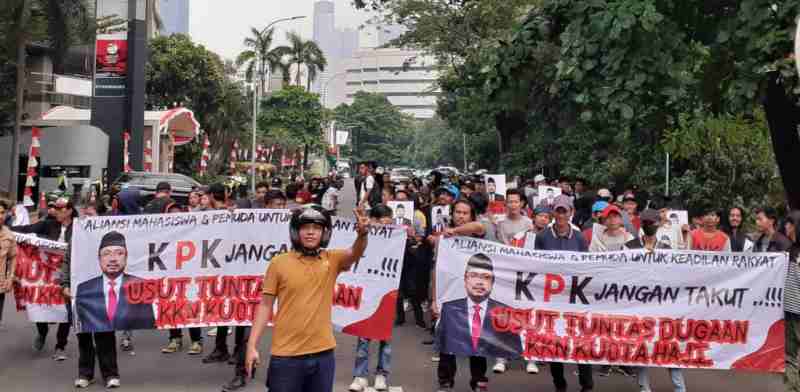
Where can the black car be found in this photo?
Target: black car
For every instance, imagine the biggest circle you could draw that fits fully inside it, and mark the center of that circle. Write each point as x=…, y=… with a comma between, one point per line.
x=146, y=183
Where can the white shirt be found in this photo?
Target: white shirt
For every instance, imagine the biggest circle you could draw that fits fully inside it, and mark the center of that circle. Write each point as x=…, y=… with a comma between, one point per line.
x=366, y=187
x=106, y=287
x=471, y=313
x=329, y=198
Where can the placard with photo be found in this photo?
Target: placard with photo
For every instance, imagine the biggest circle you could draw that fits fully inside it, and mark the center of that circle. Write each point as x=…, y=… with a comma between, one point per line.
x=547, y=196
x=440, y=218
x=402, y=212
x=495, y=187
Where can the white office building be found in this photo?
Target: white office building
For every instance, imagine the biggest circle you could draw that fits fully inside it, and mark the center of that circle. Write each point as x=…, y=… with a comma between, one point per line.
x=407, y=78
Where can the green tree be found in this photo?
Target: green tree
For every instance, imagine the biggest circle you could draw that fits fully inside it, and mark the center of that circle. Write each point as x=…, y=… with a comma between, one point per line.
x=58, y=22
x=293, y=117
x=304, y=53
x=260, y=57
x=184, y=73
x=379, y=131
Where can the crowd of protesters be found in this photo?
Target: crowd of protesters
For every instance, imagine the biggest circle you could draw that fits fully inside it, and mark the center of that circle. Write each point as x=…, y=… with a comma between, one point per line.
x=577, y=220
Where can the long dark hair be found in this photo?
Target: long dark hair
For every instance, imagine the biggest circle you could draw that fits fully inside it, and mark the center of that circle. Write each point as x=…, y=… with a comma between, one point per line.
x=794, y=219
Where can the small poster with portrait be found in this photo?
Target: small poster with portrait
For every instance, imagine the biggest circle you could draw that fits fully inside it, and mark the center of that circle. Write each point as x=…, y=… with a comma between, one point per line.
x=547, y=196
x=402, y=212
x=440, y=218
x=678, y=217
x=495, y=187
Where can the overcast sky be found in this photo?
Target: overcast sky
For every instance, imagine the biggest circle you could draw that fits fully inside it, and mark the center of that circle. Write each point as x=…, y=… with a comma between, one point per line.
x=221, y=25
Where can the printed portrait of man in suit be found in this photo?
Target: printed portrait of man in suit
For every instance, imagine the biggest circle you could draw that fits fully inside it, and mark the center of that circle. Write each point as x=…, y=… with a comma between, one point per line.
x=466, y=327
x=491, y=191
x=101, y=302
x=400, y=216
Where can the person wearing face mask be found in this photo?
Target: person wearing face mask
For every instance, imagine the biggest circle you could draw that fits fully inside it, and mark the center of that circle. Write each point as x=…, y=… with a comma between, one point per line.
x=650, y=242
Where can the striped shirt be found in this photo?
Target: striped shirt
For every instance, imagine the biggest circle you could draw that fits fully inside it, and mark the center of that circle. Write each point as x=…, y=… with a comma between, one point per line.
x=791, y=297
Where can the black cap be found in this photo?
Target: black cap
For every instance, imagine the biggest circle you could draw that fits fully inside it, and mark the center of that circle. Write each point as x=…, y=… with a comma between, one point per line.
x=112, y=238
x=163, y=186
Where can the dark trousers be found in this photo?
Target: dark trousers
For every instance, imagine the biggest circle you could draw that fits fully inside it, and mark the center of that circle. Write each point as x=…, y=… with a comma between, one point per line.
x=584, y=376
x=304, y=373
x=102, y=345
x=2, y=301
x=196, y=334
x=448, y=366
x=239, y=336
x=240, y=351
x=61, y=334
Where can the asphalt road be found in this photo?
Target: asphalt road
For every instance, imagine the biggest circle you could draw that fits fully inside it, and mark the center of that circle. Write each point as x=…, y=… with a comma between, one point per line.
x=149, y=371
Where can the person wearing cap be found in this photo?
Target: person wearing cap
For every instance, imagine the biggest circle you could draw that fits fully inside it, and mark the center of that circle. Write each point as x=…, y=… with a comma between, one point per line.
x=708, y=236
x=614, y=236
x=561, y=236
x=630, y=205
x=649, y=241
x=302, y=280
x=56, y=227
x=596, y=223
x=604, y=195
x=160, y=200
x=542, y=218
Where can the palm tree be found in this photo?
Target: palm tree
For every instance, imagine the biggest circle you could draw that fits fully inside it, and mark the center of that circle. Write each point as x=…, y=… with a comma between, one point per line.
x=58, y=22
x=304, y=53
x=260, y=56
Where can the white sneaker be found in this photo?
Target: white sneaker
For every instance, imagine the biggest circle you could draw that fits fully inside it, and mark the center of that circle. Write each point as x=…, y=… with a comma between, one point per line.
x=435, y=358
x=112, y=383
x=380, y=383
x=359, y=384
x=500, y=366
x=531, y=368
x=83, y=383
x=212, y=332
x=59, y=355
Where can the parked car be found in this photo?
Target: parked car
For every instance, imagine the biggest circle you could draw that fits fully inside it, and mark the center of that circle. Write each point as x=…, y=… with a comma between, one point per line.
x=401, y=174
x=146, y=183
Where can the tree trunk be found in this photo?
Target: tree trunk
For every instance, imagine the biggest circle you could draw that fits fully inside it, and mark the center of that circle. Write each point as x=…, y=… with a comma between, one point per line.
x=297, y=77
x=783, y=117
x=22, y=39
x=305, y=159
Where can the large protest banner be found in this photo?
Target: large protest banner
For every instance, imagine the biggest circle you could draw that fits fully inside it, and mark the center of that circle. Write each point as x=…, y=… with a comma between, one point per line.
x=666, y=308
x=38, y=271
x=206, y=269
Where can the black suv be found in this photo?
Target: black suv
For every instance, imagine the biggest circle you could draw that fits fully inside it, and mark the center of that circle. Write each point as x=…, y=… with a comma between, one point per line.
x=146, y=183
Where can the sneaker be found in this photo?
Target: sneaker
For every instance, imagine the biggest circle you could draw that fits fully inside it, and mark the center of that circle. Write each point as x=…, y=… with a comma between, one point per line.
x=531, y=368
x=625, y=371
x=435, y=358
x=196, y=349
x=217, y=356
x=236, y=384
x=126, y=344
x=359, y=384
x=174, y=345
x=604, y=371
x=38, y=343
x=380, y=383
x=444, y=389
x=212, y=332
x=59, y=355
x=83, y=383
x=500, y=366
x=481, y=386
x=113, y=383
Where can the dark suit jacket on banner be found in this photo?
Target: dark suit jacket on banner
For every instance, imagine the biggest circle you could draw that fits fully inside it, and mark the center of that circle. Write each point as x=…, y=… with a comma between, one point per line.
x=90, y=304
x=454, y=335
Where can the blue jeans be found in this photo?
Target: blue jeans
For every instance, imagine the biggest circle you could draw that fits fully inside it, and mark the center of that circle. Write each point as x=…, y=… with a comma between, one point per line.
x=362, y=358
x=676, y=374
x=303, y=373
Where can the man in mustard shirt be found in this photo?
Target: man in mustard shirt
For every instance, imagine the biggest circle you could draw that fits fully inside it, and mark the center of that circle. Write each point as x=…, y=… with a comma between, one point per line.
x=302, y=281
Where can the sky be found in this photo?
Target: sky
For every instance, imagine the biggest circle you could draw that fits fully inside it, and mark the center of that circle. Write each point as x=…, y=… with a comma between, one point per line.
x=222, y=25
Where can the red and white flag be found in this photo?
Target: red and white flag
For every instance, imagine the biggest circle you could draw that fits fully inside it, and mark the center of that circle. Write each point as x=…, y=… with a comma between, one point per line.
x=126, y=138
x=33, y=163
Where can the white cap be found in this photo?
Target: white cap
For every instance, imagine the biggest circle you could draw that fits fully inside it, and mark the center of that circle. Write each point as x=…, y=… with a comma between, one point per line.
x=539, y=178
x=604, y=192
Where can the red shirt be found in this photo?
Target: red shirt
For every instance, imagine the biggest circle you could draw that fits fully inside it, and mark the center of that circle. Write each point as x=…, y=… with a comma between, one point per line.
x=714, y=243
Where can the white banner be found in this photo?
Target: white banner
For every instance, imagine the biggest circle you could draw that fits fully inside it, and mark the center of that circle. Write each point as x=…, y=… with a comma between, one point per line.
x=38, y=271
x=665, y=308
x=206, y=268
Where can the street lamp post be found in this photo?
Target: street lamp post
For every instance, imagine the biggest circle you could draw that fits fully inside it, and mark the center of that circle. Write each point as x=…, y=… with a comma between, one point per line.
x=324, y=90
x=256, y=98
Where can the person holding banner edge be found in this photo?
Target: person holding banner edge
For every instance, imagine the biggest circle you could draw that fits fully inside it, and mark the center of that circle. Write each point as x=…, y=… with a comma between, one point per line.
x=8, y=258
x=302, y=281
